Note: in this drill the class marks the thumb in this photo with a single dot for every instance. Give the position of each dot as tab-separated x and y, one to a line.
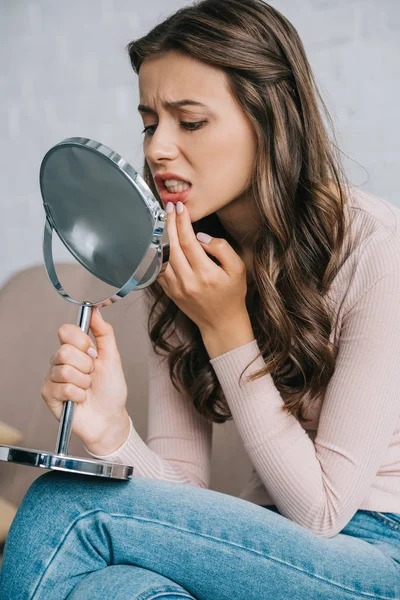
104	335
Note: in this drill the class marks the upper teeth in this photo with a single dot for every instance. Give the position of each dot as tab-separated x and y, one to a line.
176	185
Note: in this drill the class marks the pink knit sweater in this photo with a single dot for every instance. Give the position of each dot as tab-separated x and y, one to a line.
348	457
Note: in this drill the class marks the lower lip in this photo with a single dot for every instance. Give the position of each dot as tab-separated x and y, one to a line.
167	196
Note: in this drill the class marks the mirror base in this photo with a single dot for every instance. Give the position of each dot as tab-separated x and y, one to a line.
63	462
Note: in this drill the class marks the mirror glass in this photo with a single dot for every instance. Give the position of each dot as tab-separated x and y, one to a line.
79	283
97	211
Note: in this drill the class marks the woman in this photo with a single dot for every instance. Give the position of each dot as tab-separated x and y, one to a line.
286	320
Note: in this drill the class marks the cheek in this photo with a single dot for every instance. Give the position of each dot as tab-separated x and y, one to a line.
233	156
232	167
223	163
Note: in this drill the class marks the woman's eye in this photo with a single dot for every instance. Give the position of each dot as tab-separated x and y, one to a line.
188	125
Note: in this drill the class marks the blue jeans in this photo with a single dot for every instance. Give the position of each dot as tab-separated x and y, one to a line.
87	538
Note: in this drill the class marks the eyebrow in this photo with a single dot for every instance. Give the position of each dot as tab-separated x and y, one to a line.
177	104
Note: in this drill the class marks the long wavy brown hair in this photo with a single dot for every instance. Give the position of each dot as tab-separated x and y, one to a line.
298	186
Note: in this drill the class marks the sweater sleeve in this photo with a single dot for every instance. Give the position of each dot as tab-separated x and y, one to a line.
321	484
179	439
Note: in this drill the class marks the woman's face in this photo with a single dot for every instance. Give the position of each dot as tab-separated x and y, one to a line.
217	156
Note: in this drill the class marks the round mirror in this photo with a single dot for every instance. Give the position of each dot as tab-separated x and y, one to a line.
105	215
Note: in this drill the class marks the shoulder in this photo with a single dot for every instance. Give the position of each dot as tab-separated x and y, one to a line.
374	234
371	214
375	231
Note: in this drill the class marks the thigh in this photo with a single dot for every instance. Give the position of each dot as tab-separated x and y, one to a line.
127	582
212	544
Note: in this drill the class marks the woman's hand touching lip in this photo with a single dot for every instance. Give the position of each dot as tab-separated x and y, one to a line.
211	296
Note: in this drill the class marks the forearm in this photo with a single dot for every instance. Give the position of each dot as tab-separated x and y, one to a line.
226	337
150	463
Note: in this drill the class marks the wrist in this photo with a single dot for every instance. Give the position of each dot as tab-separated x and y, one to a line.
113	437
226	337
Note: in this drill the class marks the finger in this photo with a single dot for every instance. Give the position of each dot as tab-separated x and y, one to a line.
168	277
69	374
72	334
66	391
190	245
177	259
104	335
69	355
169	283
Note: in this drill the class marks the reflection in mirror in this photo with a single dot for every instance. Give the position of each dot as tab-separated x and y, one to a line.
84	286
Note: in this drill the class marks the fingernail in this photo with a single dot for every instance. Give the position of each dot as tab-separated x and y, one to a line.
99	313
92	352
179	207
170	207
203	237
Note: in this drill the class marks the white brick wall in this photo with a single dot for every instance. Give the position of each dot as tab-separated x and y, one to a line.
64	72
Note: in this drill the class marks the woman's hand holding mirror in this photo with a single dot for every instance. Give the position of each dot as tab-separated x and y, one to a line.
96	385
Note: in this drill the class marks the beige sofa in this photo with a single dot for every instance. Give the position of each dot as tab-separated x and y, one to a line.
31	311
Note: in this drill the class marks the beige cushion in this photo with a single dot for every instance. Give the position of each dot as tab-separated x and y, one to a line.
9	435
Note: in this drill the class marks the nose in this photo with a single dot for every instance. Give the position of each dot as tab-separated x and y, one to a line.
161	145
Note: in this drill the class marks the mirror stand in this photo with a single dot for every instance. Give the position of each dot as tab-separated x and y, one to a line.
109	220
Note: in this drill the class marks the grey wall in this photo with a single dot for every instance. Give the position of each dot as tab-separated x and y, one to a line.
64	72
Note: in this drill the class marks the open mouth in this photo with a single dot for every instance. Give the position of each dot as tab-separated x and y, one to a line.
177	188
